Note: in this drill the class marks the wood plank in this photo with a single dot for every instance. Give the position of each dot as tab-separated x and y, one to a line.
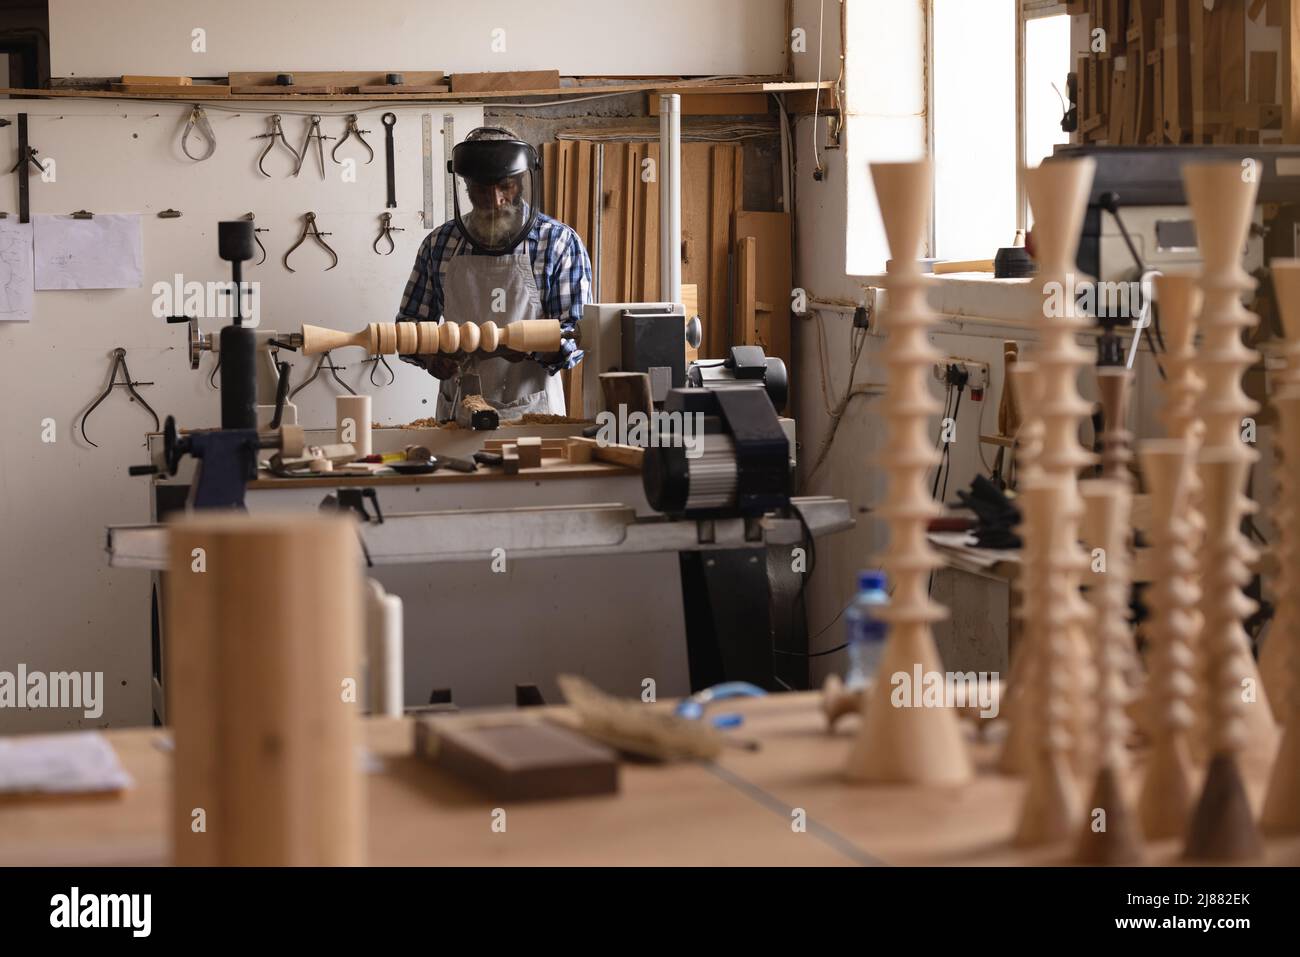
747	292
1176	57
136	79
582	221
650	192
450	97
1263	76
771	231
171	89
504	81
550	156
387	89
332	77
691	309
1291	74
717	333
716	104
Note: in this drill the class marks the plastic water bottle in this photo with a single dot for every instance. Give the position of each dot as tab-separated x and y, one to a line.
866	632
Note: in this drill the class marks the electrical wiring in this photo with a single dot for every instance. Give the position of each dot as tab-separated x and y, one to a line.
817	97
836	410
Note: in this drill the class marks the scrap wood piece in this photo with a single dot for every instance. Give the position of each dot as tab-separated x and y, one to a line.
529	450
635	727
511	81
519	760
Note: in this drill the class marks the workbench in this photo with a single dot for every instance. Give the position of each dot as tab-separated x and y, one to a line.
548	571
735	811
465	622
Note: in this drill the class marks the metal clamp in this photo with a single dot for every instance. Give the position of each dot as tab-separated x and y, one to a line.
375	362
198	120
252	218
313	133
326	361
272	136
351	130
386	230
309	229
119	362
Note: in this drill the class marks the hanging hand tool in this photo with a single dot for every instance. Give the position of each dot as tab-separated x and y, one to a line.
309	229
313	133
390	120
258	229
386	230
375	362
352	130
26	159
275	134
198	120
119	362
326	361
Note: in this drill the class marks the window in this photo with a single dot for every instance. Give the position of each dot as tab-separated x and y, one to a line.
973	104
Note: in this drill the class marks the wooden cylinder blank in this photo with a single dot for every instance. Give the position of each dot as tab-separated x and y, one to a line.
264	628
353	421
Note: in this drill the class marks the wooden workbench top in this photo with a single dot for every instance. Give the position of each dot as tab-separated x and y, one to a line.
552	469
735	812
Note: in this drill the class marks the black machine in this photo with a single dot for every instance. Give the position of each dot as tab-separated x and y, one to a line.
718	450
228	455
1145	183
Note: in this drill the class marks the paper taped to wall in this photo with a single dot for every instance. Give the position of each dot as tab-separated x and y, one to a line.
15	271
104	252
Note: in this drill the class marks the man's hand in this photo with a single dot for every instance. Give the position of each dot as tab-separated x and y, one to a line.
440	367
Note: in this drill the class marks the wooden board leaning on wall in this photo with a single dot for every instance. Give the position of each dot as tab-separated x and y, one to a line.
626	199
1174	72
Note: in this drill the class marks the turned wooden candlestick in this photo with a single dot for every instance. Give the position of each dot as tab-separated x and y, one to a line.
1222	201
1274	657
908	745
1022	380
1058	193
1051	808
1222	827
1280	659
1169	788
1110	833
429	338
1113	386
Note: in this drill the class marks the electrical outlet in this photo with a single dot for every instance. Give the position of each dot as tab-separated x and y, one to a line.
978	372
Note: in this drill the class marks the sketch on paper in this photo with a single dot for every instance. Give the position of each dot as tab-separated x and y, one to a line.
105	252
15	271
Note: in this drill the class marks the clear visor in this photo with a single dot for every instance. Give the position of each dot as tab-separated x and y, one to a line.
495	216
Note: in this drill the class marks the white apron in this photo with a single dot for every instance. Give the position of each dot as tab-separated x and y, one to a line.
470	287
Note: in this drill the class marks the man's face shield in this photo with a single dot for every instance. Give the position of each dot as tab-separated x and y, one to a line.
495	185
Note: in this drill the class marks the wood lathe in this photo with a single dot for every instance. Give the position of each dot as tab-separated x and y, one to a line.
431	338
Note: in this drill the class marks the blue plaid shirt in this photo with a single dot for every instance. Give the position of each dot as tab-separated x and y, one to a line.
561	269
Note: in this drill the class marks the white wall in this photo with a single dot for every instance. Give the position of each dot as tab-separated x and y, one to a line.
63	608
577	37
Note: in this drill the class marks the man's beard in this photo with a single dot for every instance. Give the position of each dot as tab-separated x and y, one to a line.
495	227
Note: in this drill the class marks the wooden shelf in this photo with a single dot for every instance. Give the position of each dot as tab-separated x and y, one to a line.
194	94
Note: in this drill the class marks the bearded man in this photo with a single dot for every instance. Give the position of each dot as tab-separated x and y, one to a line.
499	260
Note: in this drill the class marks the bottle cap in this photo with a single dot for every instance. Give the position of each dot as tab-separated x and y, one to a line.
871	581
